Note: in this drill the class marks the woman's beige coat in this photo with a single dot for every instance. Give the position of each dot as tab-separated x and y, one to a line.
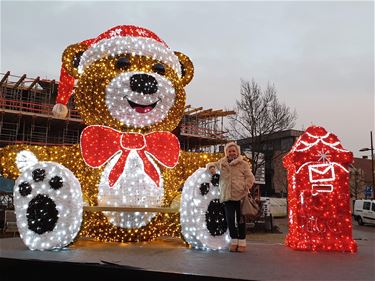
236	178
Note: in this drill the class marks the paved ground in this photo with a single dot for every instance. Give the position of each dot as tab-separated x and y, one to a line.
266	259
258	233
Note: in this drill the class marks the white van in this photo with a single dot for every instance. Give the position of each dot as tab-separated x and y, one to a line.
364	211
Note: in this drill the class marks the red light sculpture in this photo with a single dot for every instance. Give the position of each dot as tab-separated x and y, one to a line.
318	193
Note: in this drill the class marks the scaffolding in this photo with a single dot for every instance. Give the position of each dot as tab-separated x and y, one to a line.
26	117
26	113
203	129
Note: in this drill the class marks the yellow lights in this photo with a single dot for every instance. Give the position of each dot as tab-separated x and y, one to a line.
130	84
68	156
96	225
103	96
187	68
70	58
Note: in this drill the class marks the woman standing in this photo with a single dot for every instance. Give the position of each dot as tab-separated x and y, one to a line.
236	180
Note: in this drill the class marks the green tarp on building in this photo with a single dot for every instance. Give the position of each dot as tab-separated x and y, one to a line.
6	185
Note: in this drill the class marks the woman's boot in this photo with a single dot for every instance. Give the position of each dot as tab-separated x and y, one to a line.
241	245
233	245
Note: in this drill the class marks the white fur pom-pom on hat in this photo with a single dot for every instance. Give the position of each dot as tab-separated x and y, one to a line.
65	89
60	110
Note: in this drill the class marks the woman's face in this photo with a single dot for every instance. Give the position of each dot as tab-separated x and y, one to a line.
232	152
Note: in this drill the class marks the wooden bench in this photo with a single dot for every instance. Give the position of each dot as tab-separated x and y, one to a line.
130	209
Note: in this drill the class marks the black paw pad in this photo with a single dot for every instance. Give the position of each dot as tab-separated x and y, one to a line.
25	188
204	188
56	182
215	180
39	175
215	218
41	214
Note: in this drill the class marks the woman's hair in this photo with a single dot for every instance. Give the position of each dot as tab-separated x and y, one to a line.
229	144
210	165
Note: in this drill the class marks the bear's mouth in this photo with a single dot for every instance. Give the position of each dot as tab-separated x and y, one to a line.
141	108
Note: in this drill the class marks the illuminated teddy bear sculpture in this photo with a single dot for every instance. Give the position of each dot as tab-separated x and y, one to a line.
130	94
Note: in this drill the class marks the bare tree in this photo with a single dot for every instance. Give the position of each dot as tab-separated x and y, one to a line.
357	182
280	178
259	113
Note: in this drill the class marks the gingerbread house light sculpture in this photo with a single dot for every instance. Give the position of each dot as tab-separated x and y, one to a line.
318	193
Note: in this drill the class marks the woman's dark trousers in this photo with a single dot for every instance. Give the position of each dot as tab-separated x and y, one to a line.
237	230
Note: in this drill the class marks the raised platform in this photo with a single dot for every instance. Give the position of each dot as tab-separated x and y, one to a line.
169	259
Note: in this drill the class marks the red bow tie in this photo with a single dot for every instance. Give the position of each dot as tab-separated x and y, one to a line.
100	143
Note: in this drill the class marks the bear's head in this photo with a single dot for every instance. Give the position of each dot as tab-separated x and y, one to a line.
128	79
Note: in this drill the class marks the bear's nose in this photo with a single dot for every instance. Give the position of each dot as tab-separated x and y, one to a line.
143	83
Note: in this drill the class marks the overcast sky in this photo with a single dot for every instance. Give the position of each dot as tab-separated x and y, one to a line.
319	55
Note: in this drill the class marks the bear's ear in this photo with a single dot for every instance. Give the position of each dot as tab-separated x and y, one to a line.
25	159
187	68
71	58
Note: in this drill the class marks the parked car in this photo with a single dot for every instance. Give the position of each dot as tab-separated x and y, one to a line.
278	207
364	211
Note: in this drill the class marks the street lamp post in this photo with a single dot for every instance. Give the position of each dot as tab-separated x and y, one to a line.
372	164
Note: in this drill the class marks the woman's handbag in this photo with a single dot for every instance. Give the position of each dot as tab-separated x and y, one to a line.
249	207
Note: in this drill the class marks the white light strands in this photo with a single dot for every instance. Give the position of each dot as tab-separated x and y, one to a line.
133	189
132	45
136	109
130	94
48	205
202	217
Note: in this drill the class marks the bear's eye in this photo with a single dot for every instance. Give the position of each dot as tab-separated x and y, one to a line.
77	59
123	62
183	71
158	68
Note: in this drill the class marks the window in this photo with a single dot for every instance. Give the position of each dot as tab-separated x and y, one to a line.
373	207
366	205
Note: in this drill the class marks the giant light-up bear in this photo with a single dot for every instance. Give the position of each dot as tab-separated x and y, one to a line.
130	94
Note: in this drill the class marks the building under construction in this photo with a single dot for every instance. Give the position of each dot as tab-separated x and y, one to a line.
26	113
203	129
26	117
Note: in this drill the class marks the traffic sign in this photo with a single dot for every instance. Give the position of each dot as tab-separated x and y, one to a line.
368	191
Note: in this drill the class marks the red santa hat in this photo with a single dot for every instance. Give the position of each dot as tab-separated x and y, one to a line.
115	41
